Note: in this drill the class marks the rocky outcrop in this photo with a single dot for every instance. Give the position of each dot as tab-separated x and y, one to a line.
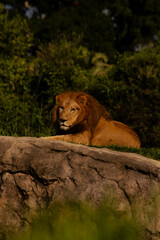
36	172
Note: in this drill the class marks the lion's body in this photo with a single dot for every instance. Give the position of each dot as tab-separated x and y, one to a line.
83	120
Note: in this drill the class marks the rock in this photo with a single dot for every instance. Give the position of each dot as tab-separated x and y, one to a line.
36	172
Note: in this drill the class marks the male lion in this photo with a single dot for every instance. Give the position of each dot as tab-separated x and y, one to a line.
82	119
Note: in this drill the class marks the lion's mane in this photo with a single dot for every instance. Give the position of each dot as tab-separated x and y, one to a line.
92	110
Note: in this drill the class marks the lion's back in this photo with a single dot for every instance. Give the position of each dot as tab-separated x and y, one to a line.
109	132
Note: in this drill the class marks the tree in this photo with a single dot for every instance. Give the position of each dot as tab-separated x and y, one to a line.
15	100
107	26
136	22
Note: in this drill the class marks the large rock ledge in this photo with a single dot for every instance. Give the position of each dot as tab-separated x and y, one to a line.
36	172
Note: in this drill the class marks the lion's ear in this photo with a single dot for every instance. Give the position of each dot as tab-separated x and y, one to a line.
58	98
82	100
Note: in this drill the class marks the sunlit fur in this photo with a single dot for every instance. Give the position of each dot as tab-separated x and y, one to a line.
82	119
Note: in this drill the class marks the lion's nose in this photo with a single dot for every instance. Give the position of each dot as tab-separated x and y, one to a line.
63	120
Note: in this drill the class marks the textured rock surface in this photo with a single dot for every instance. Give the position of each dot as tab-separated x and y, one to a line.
35	172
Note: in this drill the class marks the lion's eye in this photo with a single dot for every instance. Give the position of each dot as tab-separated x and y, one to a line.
72	110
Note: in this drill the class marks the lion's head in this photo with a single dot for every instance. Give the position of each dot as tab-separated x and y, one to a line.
77	108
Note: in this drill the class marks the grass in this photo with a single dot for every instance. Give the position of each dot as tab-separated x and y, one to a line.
147	152
77	221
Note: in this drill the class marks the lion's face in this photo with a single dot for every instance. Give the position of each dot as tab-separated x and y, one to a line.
78	110
68	113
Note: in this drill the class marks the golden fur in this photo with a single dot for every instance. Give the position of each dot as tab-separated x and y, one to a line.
82	119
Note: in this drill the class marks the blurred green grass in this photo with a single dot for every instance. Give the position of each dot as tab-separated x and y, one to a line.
77	221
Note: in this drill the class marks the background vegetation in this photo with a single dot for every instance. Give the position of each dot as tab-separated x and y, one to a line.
72	220
80	45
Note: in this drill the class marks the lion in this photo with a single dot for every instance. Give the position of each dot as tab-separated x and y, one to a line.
80	118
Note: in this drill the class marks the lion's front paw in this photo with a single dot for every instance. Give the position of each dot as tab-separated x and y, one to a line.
54	138
51	137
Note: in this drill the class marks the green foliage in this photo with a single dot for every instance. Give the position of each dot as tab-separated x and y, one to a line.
137	22
100	64
132	93
77	221
60	66
126	25
18	111
15	37
86	18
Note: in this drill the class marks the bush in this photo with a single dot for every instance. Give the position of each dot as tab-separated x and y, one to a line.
15	36
19	114
61	65
132	93
73	220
